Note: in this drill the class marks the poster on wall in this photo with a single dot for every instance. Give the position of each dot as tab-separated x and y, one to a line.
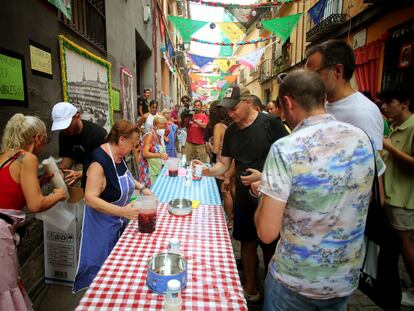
406	52
40	60
127	98
12	79
86	80
116	104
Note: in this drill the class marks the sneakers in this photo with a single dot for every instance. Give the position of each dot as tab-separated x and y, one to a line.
407	299
251	298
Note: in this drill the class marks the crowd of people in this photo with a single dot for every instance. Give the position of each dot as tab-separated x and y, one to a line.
295	176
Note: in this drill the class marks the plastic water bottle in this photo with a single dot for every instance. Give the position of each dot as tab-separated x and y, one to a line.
173	300
174	246
183	160
189	177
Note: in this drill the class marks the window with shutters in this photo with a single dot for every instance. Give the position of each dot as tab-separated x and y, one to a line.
88	20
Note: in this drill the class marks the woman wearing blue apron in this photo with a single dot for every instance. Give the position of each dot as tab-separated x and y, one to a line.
109	187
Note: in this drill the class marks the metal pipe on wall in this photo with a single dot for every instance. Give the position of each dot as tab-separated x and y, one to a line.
155	45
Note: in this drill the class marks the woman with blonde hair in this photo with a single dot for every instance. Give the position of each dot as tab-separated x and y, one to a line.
109	187
170	134
153	151
24	137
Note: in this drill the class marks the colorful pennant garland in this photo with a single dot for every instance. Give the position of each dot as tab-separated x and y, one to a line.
243	6
236	43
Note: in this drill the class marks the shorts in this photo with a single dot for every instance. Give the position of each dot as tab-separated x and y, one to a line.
400	218
194	151
244	207
280	298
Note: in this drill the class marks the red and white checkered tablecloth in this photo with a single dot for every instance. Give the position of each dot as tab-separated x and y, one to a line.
213	281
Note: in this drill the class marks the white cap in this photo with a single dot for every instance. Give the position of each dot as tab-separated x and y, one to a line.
62	114
174	284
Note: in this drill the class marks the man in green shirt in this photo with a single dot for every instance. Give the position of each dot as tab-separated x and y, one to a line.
399	176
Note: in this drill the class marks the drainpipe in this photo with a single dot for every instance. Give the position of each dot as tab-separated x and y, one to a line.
154	38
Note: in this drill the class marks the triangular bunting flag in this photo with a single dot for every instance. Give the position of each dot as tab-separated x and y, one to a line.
225	50
200	61
250	60
282	26
213	79
224	64
185	26
232	31
231	79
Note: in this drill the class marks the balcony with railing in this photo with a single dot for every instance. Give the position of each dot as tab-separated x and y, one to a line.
281	57
324	16
265	70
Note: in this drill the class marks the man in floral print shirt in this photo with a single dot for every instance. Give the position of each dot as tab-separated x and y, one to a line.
316	188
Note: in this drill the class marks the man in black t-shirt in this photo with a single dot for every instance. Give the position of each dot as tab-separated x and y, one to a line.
143	102
247	140
77	139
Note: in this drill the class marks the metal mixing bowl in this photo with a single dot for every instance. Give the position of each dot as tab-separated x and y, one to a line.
164	267
180	207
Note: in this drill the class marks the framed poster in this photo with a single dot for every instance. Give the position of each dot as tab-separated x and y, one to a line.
13	90
86	80
406	55
40	60
127	98
116	100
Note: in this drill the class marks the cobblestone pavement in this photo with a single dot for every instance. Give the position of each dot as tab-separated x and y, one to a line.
358	301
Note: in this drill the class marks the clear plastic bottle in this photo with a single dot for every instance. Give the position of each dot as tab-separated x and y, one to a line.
189	177
174	246
183	160
173	300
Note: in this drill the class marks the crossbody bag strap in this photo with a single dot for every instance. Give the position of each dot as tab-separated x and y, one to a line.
375	189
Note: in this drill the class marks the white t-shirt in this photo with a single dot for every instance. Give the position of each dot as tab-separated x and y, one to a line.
358	110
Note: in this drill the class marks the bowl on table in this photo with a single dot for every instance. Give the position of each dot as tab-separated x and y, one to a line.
164	267
180	207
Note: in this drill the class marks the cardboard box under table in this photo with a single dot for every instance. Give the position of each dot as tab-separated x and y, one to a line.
62	242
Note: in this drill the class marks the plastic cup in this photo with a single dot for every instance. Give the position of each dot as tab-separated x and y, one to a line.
147	217
173	164
198	171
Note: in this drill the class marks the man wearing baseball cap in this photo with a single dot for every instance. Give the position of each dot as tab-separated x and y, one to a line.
77	138
247	141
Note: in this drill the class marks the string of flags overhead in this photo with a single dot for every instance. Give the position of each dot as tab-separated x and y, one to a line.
209	76
281	27
243	6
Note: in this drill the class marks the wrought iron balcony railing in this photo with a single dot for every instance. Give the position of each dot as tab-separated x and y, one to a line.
330	17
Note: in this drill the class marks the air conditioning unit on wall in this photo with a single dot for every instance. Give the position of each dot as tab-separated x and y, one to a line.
146	13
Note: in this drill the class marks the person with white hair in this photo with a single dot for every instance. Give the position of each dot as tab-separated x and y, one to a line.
23	138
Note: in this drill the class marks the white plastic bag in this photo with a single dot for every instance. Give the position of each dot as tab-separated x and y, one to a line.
60	216
57	180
